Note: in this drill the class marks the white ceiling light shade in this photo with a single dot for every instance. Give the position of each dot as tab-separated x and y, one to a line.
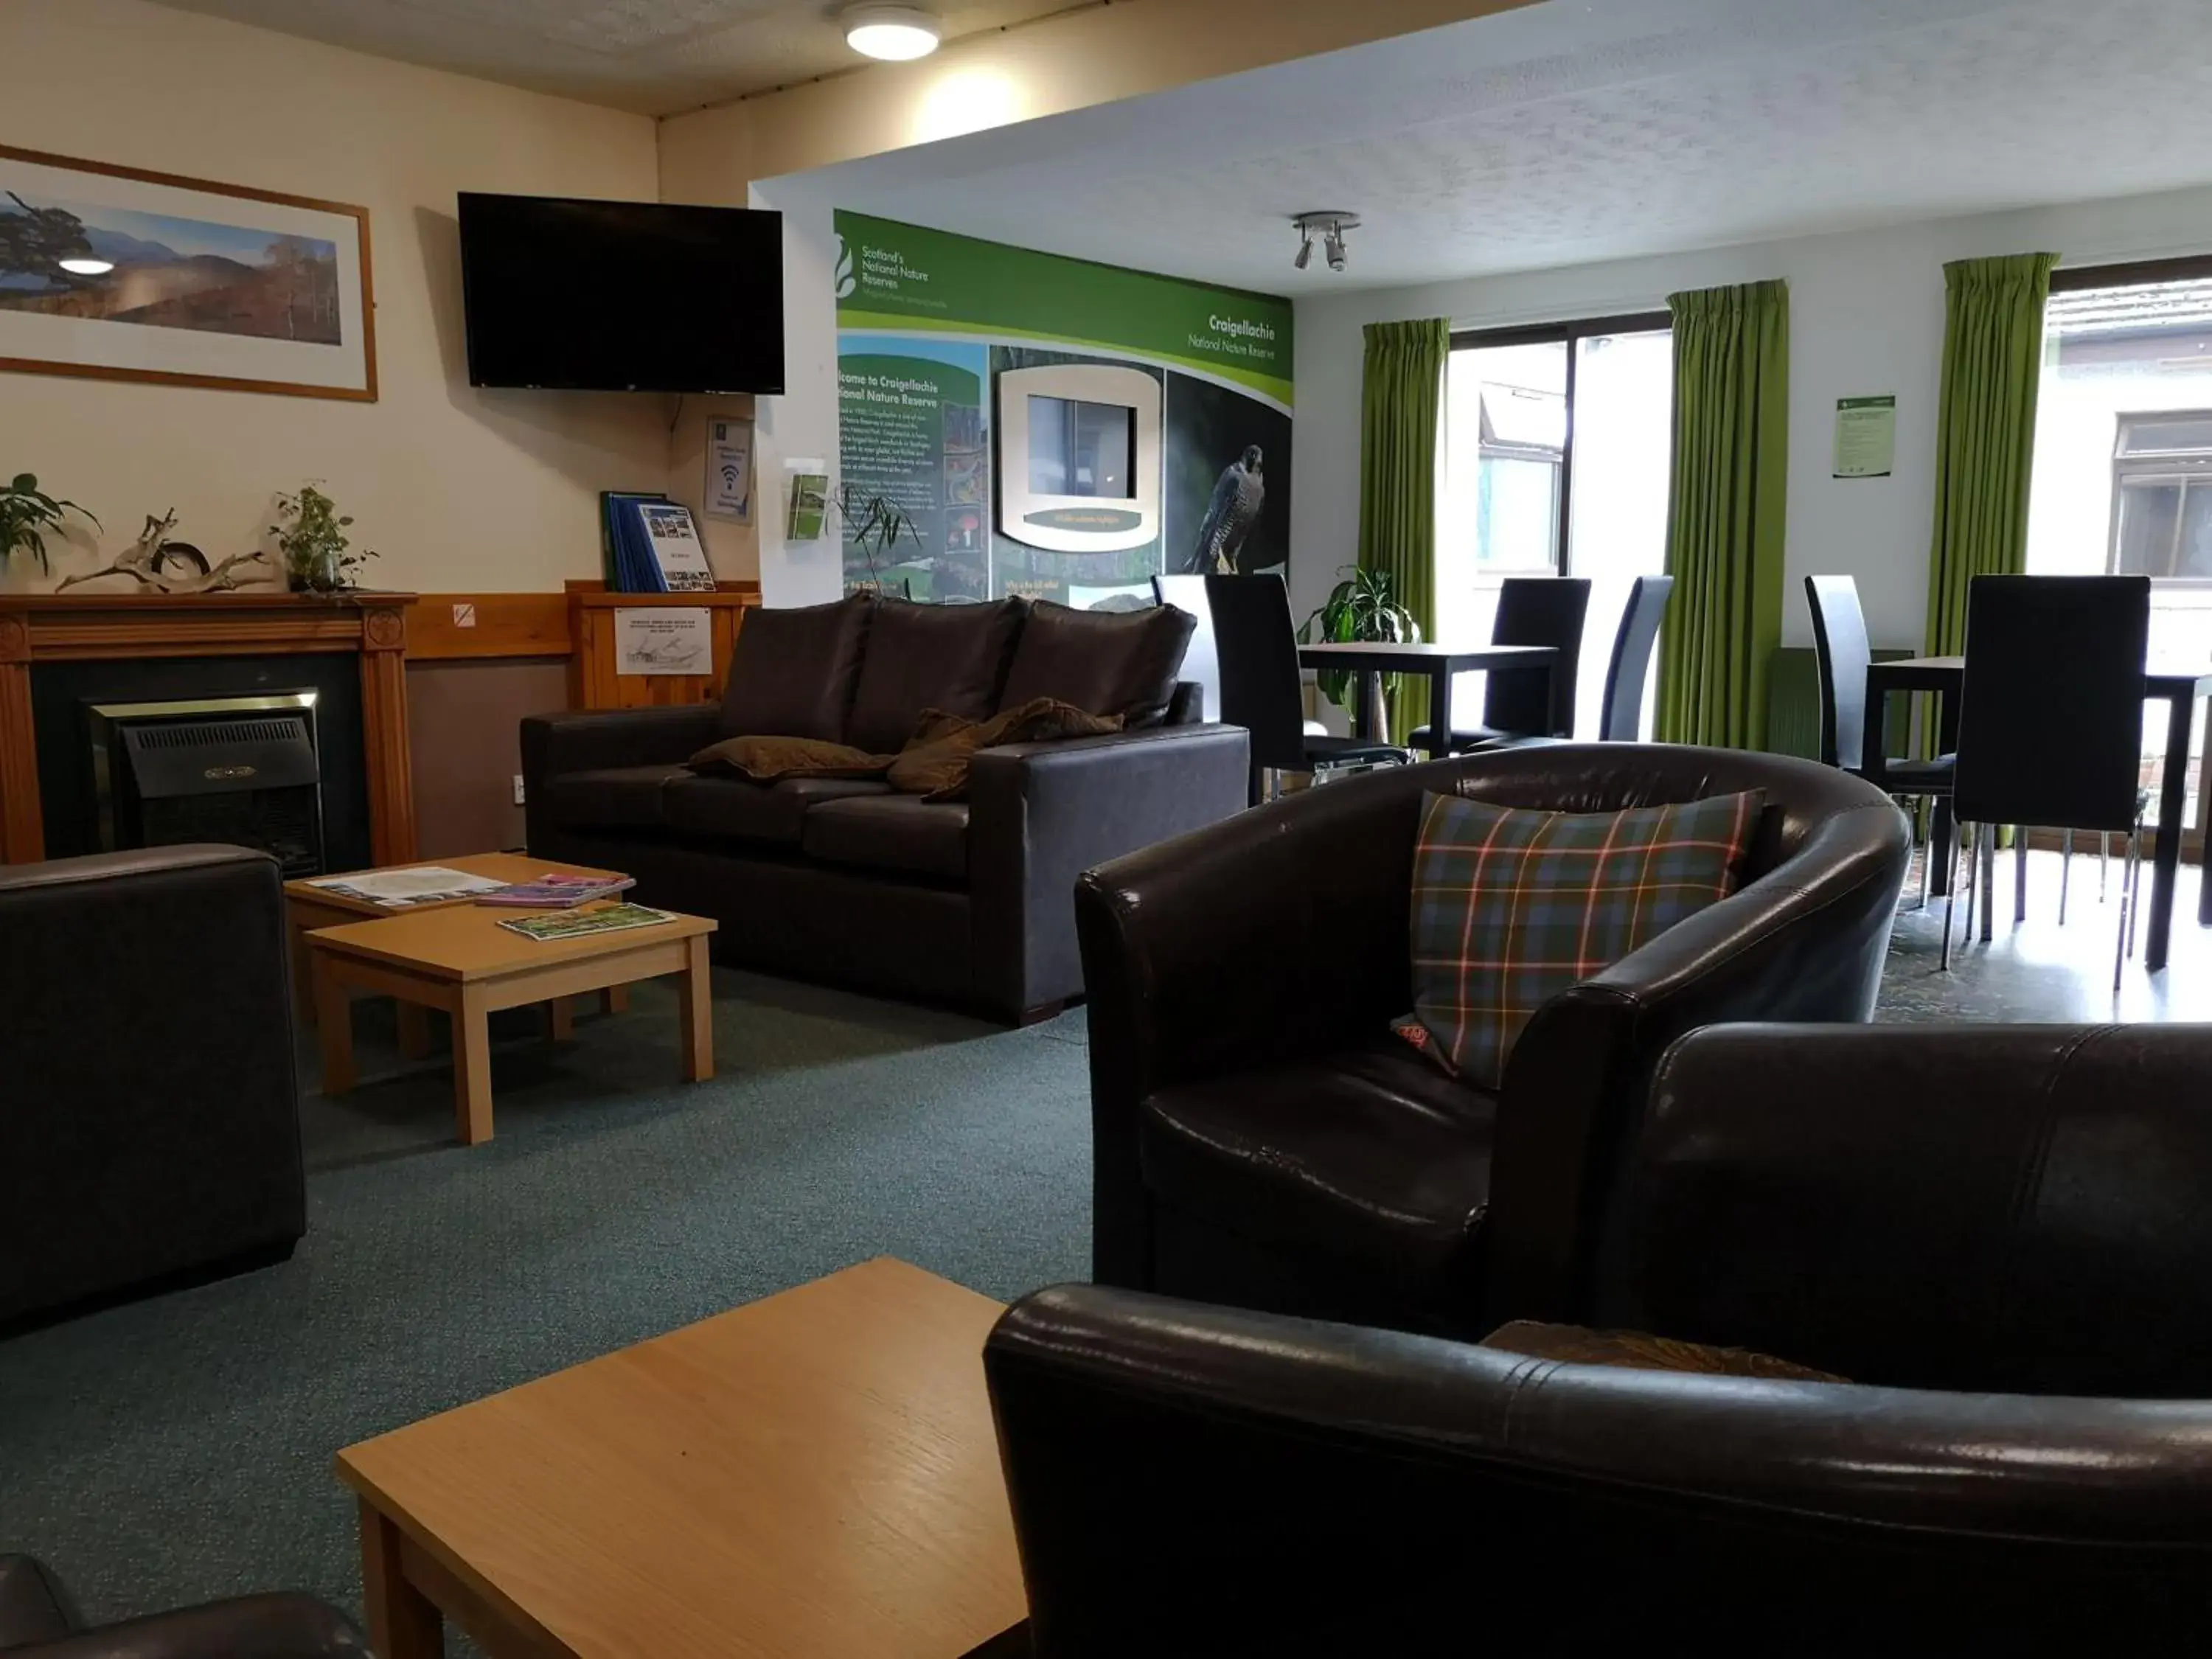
896	33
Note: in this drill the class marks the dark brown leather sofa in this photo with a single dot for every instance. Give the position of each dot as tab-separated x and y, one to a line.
38	1619
150	1129
1997	1232
843	880
1259	1139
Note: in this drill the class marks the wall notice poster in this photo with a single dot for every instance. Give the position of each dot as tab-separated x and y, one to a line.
1866	437
1151	417
677	639
730	470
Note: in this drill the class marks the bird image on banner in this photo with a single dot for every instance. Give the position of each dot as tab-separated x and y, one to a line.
1229	516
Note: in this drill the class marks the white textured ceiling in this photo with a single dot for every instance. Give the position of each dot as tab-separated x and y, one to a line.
655	56
1584	130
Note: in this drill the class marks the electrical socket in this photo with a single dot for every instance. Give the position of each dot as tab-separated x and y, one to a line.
518	789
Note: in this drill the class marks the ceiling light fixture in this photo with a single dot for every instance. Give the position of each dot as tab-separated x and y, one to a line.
1329	224
896	33
87	267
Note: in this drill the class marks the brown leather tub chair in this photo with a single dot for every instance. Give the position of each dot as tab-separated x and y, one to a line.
2000	1232
1260	1139
149	1106
38	1620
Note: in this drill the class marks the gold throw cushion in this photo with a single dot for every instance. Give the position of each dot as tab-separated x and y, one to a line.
935	762
1577	1344
768	759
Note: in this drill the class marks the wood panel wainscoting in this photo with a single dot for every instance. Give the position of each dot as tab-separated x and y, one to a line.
41	627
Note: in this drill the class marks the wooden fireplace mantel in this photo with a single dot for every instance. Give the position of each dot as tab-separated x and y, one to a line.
36	628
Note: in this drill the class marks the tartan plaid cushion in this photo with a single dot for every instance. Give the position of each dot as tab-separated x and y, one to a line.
1511	907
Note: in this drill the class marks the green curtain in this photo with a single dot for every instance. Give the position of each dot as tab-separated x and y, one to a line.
1984	431
1725	512
1400	404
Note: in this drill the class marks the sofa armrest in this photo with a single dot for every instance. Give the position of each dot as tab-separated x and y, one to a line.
1040	814
1804	942
275	1626
1192	1479
591	740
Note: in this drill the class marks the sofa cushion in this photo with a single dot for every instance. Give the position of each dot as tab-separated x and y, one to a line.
947	657
770	759
773	814
899	833
1104	662
1369	1157
935	765
1512	907
792	672
611	798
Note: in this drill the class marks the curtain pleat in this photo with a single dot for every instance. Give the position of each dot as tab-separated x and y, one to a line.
1726	508
1984	431
1401	402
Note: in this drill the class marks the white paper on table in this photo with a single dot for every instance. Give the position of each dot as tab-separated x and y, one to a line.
409	886
674	640
730	470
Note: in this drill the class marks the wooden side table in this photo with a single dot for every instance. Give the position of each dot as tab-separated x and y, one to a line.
459	958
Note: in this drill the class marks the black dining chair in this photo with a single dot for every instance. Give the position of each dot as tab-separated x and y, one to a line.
1842	656
1528	703
1201	662
2050	722
1621	719
1262	687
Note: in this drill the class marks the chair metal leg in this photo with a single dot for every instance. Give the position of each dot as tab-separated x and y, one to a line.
2019	874
1927	855
1971	836
2065	871
2104	861
1951	895
2134	887
1988	836
2120	946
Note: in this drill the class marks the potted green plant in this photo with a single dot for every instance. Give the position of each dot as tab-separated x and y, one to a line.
319	556
1363	609
26	513
875	525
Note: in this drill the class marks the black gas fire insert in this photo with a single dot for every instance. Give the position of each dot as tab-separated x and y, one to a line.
238	769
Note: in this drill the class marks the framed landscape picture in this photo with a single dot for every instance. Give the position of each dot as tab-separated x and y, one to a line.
116	274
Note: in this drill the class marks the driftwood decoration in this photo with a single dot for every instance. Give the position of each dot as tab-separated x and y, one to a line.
166	567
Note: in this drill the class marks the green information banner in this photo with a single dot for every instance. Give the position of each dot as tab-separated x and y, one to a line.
904	278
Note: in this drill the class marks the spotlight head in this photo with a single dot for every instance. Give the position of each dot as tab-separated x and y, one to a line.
1305	252
1334	246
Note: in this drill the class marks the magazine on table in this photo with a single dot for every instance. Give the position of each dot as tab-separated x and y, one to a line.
551	891
575	924
395	890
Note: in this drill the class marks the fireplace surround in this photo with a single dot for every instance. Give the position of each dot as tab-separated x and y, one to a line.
60	654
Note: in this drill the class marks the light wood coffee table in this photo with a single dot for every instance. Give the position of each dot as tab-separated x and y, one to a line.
814	1474
307	907
458	957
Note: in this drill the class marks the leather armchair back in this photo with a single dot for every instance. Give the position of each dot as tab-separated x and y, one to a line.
1999	1207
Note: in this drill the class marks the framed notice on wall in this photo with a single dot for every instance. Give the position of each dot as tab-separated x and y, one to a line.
1866	437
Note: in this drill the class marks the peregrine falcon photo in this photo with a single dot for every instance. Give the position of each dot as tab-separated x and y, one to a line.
1229	516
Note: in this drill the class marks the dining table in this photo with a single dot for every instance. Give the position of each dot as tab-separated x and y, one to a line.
1365	658
2177	686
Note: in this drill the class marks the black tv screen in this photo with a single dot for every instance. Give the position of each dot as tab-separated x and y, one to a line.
621	296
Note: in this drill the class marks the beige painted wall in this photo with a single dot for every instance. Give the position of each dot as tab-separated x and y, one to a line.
458	489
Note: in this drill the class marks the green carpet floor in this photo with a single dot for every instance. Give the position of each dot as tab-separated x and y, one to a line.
179	1449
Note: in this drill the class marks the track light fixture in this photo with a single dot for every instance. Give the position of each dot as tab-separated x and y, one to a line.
1329	224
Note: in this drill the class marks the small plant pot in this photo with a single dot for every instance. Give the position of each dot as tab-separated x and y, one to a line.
317	574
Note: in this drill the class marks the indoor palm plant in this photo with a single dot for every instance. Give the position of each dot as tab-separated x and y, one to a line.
26	513
1362	608
875	525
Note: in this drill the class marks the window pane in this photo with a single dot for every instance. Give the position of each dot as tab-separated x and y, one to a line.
2142	541
2185	436
1516	513
1081	449
2194	558
1624	411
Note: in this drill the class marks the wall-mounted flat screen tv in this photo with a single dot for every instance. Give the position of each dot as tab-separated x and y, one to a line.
621	296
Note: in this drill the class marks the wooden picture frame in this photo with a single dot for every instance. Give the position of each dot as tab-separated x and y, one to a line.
181	282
